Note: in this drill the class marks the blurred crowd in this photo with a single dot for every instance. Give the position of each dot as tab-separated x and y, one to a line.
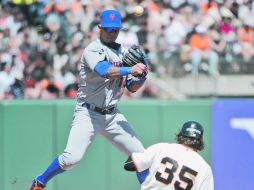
41	41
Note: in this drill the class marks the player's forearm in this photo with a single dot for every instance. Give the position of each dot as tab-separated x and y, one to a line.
107	70
115	72
130	166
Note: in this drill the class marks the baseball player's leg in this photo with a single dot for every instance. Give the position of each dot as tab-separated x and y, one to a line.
120	133
80	137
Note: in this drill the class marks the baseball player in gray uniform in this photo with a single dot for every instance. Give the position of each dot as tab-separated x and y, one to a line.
103	79
175	166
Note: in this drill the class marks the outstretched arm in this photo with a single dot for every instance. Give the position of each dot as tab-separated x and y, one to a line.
130	166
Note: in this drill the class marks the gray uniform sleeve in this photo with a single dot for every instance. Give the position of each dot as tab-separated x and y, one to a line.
93	54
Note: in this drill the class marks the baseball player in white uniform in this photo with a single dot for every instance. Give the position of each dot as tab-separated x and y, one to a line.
103	79
174	166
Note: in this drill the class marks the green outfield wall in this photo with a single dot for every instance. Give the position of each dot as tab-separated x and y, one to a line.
33	133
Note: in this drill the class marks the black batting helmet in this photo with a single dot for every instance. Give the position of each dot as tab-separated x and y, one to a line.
192	129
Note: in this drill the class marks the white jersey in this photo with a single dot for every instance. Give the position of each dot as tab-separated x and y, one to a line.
173	167
94	89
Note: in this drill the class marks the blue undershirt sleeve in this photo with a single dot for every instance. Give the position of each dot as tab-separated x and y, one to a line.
142	175
129	82
102	68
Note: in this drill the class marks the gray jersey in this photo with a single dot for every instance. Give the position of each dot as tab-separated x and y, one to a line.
102	93
94	89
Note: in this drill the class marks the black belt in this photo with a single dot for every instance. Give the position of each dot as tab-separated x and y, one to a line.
102	111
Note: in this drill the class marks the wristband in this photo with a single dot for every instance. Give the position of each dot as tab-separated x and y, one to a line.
125	71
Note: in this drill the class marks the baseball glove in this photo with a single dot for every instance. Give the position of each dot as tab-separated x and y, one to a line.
133	56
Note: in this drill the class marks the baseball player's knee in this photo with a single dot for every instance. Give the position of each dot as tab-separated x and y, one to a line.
135	147
138	149
68	161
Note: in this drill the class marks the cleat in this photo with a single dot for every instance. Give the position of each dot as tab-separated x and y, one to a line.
36	185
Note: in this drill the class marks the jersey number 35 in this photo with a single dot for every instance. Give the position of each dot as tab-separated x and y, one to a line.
171	172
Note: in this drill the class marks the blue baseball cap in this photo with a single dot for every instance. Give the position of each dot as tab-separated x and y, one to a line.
110	19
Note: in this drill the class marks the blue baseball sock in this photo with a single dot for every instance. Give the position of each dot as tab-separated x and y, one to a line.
142	175
53	169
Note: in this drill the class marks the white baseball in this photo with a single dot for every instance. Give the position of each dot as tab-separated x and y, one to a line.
138	10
